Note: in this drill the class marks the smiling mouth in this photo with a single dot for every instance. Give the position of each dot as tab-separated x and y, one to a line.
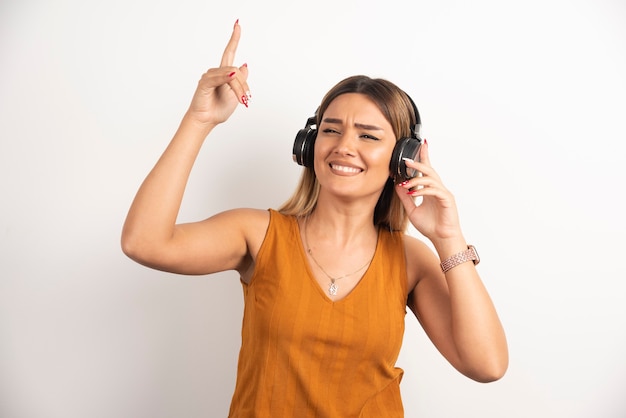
346	170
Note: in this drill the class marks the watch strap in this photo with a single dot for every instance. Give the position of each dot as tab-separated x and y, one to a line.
459	258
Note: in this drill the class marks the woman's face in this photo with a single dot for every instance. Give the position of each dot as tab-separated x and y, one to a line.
353	147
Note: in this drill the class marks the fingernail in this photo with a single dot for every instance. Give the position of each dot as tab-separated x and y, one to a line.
244	100
425	141
248	95
404	183
236	23
408	159
245	64
231	74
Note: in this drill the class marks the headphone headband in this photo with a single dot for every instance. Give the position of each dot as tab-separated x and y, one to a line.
418	120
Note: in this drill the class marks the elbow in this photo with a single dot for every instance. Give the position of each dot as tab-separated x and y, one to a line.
489	376
145	250
487	361
129	245
490	370
132	246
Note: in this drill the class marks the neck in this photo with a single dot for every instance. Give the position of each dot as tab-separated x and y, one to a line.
345	209
343	227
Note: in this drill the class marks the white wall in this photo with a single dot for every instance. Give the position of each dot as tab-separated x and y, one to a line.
523	105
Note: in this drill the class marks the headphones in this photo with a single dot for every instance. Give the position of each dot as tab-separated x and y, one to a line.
304	144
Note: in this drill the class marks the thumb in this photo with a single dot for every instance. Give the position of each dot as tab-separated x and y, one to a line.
244	71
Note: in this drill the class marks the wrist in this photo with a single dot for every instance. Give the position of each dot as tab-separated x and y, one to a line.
446	247
190	121
467	255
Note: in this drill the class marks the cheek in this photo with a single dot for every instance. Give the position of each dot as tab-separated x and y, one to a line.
320	147
319	153
382	157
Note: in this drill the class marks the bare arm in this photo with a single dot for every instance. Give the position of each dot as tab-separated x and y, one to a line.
454	308
458	315
150	234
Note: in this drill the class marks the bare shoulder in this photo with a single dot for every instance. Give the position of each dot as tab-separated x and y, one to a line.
252	223
228	240
420	260
255	223
244	216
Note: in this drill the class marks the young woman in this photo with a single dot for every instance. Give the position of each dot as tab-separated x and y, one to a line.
328	276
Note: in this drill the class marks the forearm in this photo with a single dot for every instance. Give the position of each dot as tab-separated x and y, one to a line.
476	329
152	216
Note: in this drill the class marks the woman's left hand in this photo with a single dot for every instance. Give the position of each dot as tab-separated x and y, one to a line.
436	217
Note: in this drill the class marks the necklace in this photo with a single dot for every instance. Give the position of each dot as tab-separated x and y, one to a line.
333	287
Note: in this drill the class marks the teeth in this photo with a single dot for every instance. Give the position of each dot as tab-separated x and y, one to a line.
345	169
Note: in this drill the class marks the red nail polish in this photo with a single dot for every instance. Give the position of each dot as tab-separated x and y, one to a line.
236	23
425	141
245	65
231	74
244	100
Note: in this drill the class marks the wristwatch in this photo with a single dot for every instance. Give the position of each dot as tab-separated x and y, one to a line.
468	255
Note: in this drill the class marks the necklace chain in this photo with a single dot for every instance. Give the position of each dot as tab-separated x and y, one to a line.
332	287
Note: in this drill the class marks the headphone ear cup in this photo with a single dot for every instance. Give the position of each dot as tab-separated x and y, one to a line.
405	148
303	146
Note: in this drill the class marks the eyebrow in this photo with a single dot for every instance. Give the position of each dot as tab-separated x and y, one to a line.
358	125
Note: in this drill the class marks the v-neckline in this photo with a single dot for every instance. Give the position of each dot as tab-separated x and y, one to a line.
314	281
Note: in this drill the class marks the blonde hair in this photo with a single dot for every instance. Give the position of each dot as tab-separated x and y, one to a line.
397	108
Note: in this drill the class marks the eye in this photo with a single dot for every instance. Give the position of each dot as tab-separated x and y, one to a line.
368	136
330	131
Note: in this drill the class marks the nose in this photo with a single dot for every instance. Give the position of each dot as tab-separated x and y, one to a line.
346	145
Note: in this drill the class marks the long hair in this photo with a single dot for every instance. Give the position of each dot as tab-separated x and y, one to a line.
397	108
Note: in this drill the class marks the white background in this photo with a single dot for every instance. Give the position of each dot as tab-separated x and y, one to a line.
523	104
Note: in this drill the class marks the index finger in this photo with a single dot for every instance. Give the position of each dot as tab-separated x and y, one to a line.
229	52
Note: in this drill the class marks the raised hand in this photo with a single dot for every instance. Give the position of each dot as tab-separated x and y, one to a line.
221	89
436	216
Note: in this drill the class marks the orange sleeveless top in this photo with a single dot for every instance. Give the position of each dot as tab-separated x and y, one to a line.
303	355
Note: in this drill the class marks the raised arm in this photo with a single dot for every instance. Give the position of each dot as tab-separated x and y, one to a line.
454	308
150	234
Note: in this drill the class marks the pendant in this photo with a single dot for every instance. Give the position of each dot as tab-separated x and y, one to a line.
332	288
